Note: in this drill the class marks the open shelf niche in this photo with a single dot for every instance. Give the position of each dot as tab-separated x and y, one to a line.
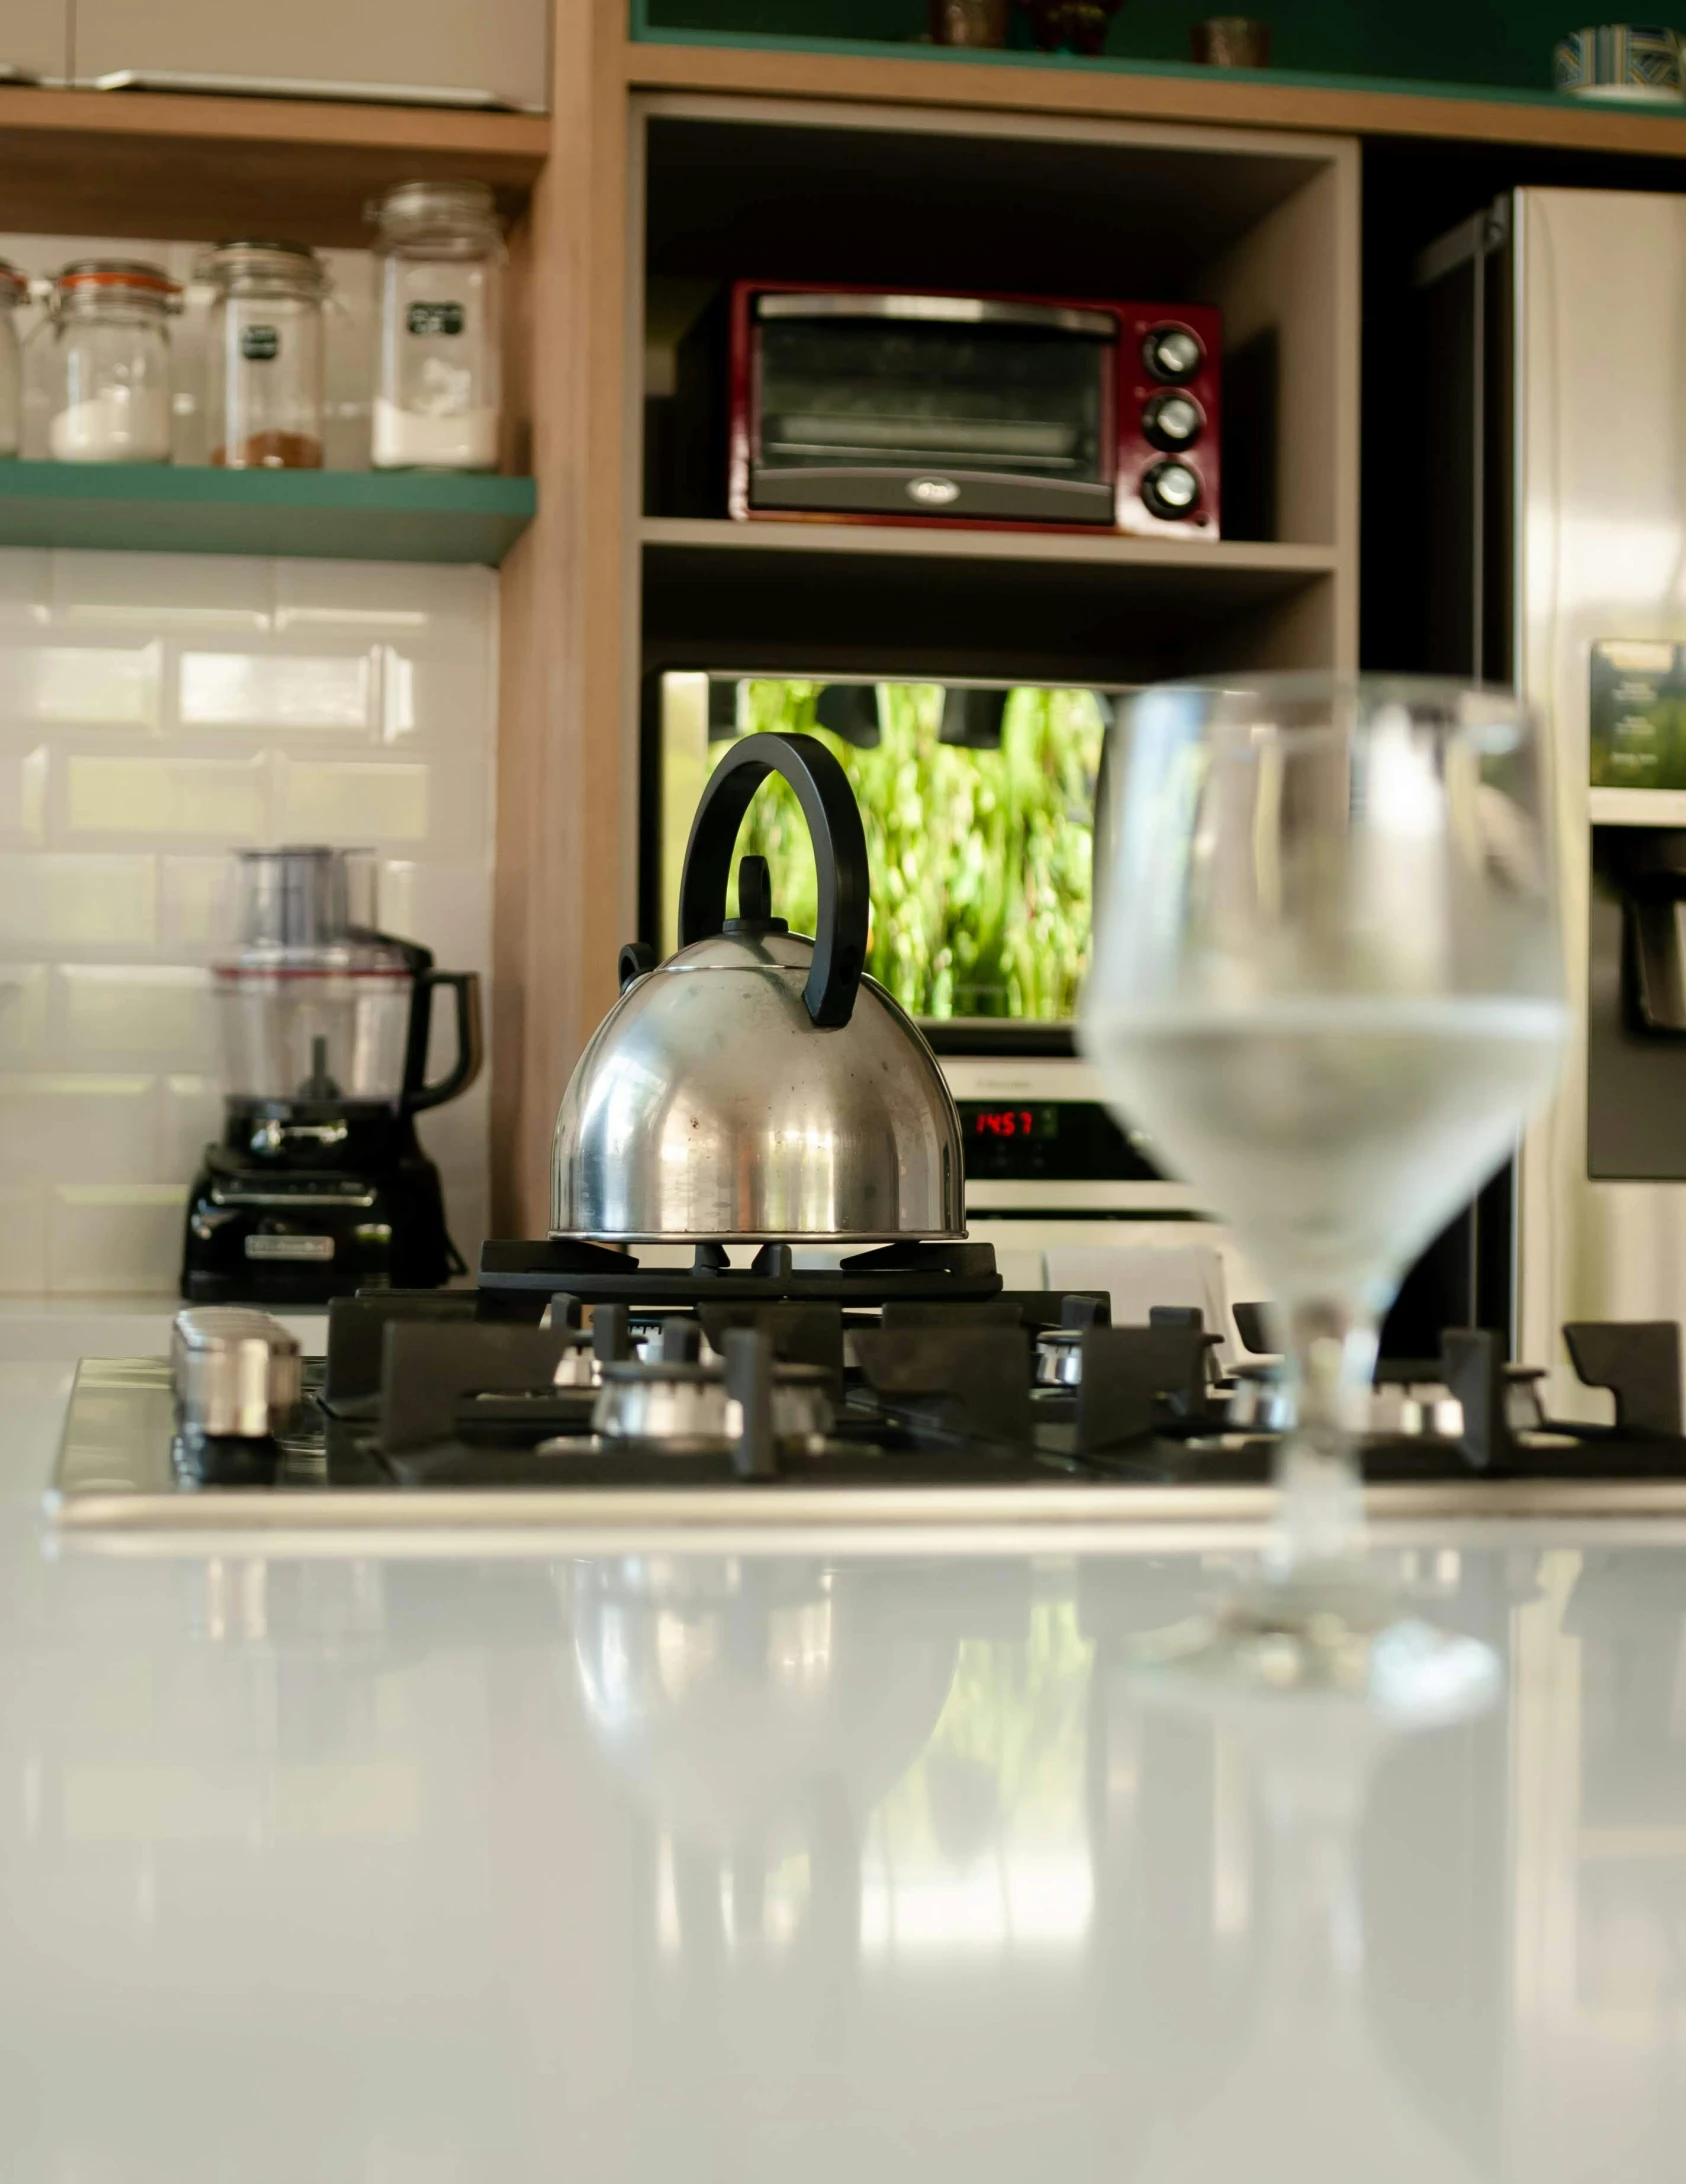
1263	227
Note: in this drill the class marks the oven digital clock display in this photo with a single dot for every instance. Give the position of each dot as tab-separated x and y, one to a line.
1047	1141
1015	1122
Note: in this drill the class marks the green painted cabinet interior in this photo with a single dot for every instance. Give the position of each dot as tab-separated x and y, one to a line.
1491	44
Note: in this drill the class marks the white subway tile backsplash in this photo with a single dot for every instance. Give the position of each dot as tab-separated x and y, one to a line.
385	599
23	791
277	690
160	592
432	695
194	903
100	1128
25	989
25	586
113	1239
159	1016
447	907
342	801
158	797
75	903
191	1116
23	1240
156	713
113	686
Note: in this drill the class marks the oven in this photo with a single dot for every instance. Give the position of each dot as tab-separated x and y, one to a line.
876	406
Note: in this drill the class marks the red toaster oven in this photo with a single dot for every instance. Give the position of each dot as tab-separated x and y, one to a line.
872	405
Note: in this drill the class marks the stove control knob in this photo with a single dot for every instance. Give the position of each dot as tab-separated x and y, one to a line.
237	1374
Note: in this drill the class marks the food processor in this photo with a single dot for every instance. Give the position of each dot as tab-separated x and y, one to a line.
320	1186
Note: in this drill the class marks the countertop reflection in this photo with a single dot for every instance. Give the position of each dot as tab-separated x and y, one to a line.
714	1866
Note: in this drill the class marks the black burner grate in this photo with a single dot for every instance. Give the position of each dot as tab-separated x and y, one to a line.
517	1279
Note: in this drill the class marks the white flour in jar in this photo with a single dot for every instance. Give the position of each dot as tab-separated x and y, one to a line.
406	439
118	424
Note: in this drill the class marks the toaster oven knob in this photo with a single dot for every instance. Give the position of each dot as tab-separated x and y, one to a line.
1172	355
1172	421
1170	490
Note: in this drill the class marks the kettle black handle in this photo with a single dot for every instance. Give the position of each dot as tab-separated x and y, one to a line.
834	820
470	1044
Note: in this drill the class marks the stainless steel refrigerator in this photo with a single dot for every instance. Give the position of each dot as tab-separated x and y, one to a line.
1556	387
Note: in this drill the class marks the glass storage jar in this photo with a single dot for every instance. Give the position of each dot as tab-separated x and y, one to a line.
264	355
440	257
110	371
14	290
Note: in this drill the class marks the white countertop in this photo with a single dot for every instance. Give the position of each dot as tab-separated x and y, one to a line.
365	1870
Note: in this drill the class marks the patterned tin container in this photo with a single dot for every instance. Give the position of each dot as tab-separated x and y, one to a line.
1637	61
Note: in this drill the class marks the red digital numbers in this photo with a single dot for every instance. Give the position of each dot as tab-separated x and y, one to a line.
1005	1122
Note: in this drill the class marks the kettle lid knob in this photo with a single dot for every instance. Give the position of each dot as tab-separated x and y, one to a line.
755	901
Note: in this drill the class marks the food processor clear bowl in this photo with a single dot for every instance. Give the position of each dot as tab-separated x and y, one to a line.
315	1004
314	1037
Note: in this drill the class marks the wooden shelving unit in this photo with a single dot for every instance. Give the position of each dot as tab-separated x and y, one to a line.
794	596
1144	91
1222	562
612	582
192	168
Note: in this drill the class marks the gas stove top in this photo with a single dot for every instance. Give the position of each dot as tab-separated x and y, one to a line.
907	1386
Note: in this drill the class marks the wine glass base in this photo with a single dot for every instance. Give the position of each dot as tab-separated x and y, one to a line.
1331	1635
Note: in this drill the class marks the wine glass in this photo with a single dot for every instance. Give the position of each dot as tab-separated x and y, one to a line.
1328	984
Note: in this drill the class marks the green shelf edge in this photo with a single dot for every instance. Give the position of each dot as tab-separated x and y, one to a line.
326	515
1121	64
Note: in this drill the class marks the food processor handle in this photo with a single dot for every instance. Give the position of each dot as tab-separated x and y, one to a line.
470	1045
834	820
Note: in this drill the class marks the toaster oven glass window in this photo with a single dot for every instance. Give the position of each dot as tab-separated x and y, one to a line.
973	397
979	811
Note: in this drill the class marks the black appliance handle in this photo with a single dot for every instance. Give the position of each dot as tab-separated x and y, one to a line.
834	821
471	1052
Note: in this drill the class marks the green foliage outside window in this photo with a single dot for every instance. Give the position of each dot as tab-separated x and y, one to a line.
980	859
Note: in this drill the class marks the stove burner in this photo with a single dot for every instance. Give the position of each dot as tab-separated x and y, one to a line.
676	1400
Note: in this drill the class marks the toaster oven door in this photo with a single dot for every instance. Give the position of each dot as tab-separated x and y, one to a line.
934	406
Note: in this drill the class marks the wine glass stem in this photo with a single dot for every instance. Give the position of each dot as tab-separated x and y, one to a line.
1320	1506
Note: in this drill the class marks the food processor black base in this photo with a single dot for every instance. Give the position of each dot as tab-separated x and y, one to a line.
297	1210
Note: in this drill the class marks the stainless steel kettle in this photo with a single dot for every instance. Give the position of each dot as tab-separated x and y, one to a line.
757	1085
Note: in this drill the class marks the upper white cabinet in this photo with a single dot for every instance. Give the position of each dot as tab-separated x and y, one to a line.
460	52
34	41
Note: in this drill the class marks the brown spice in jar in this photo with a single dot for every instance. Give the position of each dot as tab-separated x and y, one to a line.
270	451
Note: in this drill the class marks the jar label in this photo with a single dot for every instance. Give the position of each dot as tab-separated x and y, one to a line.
260	344
435	318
